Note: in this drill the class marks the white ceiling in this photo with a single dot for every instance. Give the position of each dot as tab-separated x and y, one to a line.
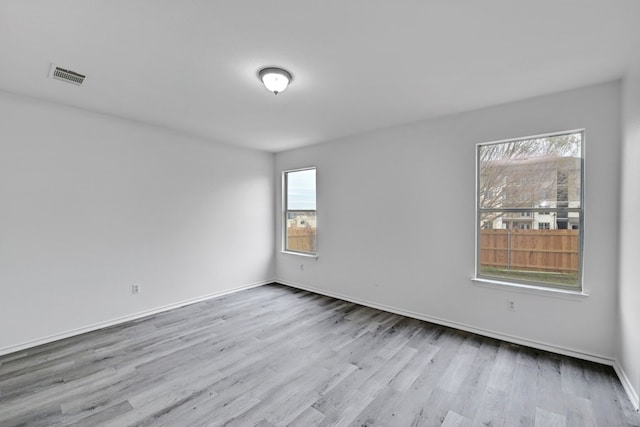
358	65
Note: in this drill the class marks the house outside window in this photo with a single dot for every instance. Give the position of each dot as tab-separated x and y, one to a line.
517	242
300	219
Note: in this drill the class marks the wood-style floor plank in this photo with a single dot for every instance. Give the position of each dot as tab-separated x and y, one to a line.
277	356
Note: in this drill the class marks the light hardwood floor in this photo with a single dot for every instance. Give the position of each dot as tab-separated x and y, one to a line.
276	356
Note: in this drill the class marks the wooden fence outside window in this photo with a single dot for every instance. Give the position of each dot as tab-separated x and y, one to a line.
302	239
531	250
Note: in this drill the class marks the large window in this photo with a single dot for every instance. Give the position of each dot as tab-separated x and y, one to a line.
300	225
517	241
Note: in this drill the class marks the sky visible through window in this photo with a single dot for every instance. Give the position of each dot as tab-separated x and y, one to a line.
301	193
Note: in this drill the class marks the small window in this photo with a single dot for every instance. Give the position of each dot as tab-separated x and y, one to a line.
529	210
300	223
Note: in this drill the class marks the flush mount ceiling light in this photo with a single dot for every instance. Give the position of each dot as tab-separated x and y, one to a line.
275	79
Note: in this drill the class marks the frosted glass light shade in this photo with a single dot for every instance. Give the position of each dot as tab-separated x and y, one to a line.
275	80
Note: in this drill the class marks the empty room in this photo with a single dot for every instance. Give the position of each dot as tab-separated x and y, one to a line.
336	213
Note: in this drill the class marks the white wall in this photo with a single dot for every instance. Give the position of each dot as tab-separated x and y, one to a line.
90	204
396	222
629	299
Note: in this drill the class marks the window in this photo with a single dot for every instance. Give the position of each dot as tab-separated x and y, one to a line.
299	191
515	178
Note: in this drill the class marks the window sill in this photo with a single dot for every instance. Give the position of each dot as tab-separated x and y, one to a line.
302	254
531	289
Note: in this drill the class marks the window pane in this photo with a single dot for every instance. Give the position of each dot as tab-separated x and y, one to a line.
301	231
540	172
529	249
301	190
529	210
300	216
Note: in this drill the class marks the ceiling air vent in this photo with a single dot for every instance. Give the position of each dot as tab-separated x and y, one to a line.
65	75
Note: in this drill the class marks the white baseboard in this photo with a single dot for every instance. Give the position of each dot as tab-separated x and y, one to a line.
468	328
633	395
628	387
135	316
626	384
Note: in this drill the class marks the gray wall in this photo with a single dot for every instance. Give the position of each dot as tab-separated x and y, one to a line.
396	222
629	304
91	204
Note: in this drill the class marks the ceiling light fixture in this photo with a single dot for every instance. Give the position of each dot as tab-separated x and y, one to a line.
275	79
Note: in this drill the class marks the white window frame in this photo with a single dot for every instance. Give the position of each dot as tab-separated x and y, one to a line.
544	286
285	213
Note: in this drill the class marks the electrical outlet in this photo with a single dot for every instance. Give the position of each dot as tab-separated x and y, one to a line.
301	267
511	305
135	288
